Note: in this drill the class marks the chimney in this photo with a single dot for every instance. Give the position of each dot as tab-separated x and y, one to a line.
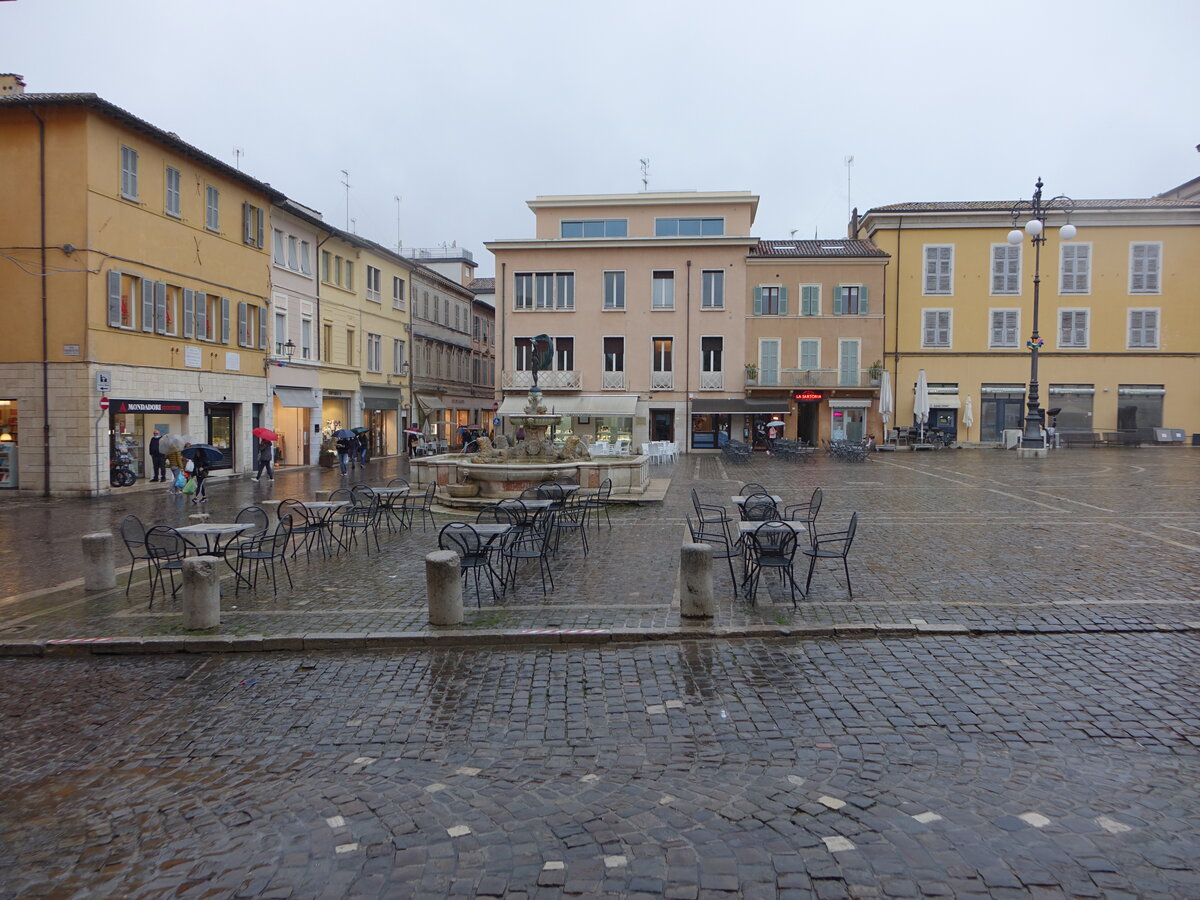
11	84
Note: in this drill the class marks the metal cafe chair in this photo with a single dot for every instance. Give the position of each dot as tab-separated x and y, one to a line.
166	548
832	545
261	553
714	534
771	546
473	555
133	533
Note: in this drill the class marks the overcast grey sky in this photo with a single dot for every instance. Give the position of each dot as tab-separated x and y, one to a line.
466	110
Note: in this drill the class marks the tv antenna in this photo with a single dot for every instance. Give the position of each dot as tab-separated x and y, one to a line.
346	185
849	209
399	243
645	174
238	153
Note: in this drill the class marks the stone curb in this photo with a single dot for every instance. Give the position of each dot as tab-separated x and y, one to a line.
360	641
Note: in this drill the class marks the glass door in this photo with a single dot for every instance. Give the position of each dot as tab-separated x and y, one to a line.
220	434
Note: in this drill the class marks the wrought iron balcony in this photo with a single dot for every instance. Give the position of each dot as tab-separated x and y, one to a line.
549	380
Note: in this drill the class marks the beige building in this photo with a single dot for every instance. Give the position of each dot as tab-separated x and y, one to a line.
644	297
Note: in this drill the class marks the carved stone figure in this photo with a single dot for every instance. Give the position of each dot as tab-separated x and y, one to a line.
575	449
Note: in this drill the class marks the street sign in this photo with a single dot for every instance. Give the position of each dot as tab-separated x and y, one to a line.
495	404
103	382
103	403
496	421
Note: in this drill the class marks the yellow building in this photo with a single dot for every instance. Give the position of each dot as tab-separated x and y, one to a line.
1116	314
137	265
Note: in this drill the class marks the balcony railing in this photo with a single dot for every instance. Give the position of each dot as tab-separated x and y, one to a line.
549	380
816	378
613	381
712	381
436	253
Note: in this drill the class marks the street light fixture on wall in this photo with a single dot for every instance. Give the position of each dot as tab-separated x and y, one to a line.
1032	439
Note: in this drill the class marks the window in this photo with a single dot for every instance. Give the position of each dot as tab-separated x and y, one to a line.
337	270
594	228
1006	269
1005	327
326	341
1144	265
712	289
397	292
939	266
662	349
848	366
1075	269
692	227
166	303
523	290
810	299
768	361
292	262
476	328
564	354
712	354
281	335
1074	402
172	204
349	275
850	300
522	354
1073	328
1140	406
770	300
306	336
129	173
212	208
253	220
614	354
810	354
279	257
663	293
305	266
1143	328
246	324
374	351
614	290
936	331
398	356
326	265
544	290
120	299
374	285
351	346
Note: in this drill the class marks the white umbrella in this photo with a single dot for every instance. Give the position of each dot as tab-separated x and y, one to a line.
921	402
968	418
886	405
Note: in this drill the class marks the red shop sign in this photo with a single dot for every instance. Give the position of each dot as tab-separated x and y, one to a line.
807	395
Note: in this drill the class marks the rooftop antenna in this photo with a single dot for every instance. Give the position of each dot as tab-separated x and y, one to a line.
346	185
849	164
645	174
238	153
793	232
399	243
354	226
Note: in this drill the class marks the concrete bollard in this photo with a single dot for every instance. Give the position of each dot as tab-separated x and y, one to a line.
322	496
444	584
696	582
99	573
201	592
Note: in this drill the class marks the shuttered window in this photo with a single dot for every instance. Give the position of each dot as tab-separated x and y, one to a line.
850	300
936	330
129	173
1073	328
768	362
1006	269
1075	269
810	354
147	305
1144	265
224	320
810	299
1004	327
770	300
161	324
114	299
202	323
939	269
212	208
172	200
1143	328
848	353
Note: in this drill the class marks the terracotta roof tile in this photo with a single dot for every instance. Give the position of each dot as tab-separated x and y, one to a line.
818	249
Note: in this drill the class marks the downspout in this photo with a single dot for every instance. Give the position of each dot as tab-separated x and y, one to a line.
687	369
501	347
896	327
45	305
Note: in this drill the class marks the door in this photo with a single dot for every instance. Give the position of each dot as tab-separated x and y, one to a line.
220	434
807	415
662	425
999	412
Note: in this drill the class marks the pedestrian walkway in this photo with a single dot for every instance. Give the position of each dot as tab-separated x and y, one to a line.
964	541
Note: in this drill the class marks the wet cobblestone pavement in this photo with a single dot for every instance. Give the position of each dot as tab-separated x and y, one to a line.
1006	708
1003	766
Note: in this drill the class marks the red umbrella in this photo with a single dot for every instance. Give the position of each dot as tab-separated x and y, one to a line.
265	433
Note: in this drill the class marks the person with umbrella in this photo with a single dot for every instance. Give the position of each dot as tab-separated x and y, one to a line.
197	467
266	452
171	445
360	444
344	438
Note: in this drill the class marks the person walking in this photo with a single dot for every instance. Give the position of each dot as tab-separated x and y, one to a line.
175	463
197	467
266	453
343	452
157	458
361	444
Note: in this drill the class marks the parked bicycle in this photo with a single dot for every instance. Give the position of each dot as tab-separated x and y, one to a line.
120	473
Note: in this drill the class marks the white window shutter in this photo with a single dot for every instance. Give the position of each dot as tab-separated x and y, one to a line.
147	305
997	328
114	298
160	307
262	328
930	328
201	316
243	323
224	320
944	328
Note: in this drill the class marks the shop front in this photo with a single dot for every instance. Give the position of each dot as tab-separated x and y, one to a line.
715	420
381	414
596	417
335	412
808	416
221	426
848	419
9	441
1001	408
292	420
131	424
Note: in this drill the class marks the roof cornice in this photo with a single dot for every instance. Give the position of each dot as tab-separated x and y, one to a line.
609	243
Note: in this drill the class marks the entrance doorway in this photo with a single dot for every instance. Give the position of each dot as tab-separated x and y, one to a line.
220	433
662	424
807	421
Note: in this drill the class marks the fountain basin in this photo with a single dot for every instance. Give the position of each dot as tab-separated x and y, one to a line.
630	476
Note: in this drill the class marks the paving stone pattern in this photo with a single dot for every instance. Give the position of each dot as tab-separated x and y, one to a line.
953	766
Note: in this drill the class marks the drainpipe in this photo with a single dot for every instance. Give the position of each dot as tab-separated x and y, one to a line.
45	305
896	326
501	347
687	368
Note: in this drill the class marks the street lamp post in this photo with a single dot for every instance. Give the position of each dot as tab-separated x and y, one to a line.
1033	443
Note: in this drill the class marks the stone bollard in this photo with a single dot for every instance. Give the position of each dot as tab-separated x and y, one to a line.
322	496
696	582
444	584
201	592
99	574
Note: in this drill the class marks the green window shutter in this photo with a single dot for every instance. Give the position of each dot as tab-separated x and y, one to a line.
837	301
147	305
262	328
262	215
810	300
160	307
783	297
224	320
243	323
189	311
862	300
114	298
757	300
201	316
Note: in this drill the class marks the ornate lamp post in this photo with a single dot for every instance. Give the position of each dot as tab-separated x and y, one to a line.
1033	444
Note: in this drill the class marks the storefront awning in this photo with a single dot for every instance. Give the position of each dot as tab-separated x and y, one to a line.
297	396
856	404
944	401
381	402
740	406
428	402
622	405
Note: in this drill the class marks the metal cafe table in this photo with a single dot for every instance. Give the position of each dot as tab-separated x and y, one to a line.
212	532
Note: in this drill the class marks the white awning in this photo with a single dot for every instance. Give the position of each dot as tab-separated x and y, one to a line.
851	404
428	401
944	401
297	396
623	405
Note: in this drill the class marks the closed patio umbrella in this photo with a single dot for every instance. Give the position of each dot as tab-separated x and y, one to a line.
968	418
921	402
886	405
